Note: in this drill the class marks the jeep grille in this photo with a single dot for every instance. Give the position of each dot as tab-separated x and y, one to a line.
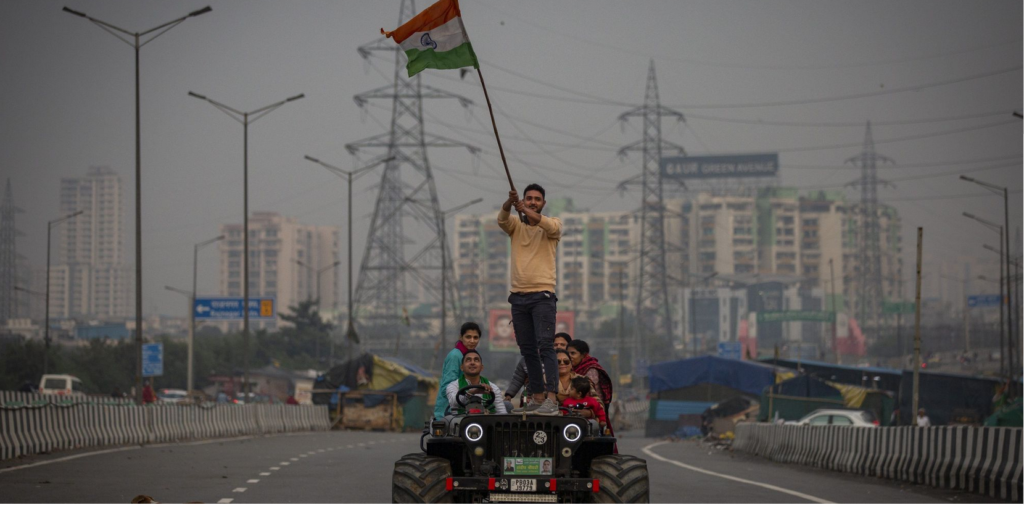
515	439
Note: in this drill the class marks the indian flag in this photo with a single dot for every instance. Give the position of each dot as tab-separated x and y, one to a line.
435	38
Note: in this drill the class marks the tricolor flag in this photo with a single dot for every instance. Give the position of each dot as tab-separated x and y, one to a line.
435	38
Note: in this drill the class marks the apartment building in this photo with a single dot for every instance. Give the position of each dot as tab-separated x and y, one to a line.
89	276
285	257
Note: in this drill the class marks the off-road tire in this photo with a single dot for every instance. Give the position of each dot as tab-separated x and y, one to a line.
419	478
623	479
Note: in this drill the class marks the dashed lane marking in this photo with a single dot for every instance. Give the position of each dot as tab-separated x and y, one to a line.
275	468
264	474
301	456
294	459
239	490
225	500
647	450
252	481
285	463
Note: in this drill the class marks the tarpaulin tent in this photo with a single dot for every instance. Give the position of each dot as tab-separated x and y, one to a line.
688	387
415	388
794	398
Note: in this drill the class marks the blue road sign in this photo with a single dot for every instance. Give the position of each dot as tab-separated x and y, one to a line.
230	308
984	300
732	350
152	360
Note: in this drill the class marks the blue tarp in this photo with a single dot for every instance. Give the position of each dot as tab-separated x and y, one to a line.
747	376
409	366
404	389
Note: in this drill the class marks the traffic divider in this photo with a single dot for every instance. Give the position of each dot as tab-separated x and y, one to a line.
33	424
978	459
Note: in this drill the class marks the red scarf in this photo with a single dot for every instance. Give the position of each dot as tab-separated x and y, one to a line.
461	347
605	382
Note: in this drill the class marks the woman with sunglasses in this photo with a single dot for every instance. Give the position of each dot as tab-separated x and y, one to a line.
565	375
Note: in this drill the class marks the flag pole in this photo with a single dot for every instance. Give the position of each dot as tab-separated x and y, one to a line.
495	126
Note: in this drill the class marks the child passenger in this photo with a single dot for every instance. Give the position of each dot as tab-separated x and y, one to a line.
451	370
580	401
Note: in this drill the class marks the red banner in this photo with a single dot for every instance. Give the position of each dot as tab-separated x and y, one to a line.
502	335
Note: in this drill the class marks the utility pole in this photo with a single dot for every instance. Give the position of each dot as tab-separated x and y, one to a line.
8	257
835	343
967	308
917	326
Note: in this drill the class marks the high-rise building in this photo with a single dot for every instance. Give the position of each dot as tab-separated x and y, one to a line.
284	258
89	277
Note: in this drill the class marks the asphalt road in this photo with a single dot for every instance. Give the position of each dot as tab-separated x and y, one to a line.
355	467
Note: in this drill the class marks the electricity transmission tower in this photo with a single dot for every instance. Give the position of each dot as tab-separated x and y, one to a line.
8	257
652	300
407	195
870	292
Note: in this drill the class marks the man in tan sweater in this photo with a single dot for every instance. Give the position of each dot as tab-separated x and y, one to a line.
533	300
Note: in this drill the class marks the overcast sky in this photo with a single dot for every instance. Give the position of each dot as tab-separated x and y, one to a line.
938	80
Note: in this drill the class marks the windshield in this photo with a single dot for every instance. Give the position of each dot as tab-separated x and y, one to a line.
55	384
868	416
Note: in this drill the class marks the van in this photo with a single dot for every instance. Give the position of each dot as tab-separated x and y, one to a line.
60	384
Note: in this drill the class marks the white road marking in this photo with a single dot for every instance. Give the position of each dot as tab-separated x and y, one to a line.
647	451
225	500
68	458
285	463
275	468
252	481
238	490
321	450
301	456
264	474
294	459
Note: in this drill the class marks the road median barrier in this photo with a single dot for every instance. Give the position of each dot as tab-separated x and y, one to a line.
978	459
33	423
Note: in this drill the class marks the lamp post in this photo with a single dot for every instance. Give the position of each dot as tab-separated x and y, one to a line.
1016	277
349	176
1009	290
245	118
319	273
190	380
136	41
1005	343
46	326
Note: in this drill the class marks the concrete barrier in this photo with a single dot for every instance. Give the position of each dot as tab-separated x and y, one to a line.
32	423
984	460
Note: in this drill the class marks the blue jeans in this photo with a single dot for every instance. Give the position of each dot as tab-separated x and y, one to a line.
533	317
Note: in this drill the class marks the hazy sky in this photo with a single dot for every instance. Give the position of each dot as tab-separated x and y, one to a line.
939	81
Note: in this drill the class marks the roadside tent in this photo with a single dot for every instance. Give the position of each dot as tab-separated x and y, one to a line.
682	390
792	399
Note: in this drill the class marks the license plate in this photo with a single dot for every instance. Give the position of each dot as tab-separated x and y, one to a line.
523	485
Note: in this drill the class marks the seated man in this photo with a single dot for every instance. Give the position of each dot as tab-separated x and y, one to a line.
472	367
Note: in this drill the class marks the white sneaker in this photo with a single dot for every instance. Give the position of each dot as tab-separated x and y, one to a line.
548	408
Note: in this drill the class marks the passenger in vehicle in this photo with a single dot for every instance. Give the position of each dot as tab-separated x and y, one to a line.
472	367
469	338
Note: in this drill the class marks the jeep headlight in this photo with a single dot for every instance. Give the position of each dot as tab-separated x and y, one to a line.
572	433
474	432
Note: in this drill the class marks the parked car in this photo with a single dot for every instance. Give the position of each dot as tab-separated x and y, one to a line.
839	417
60	384
172	395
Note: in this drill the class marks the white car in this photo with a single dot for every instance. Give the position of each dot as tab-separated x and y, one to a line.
61	385
838	417
172	395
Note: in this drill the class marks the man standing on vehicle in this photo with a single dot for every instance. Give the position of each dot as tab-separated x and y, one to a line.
534	244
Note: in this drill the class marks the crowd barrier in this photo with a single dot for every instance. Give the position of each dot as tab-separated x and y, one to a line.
985	460
33	423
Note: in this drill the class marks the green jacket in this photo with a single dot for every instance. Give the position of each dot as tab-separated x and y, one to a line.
450	371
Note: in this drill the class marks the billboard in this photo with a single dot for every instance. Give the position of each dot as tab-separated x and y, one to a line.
501	335
720	167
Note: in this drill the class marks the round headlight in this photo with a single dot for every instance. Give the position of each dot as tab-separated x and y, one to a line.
572	433
474	432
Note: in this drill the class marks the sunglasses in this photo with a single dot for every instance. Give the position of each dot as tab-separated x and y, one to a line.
564	362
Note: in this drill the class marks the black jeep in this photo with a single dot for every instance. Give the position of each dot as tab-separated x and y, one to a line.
478	457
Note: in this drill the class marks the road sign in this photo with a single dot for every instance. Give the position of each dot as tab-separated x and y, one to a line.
731	350
795	315
984	300
152	360
230	308
898	307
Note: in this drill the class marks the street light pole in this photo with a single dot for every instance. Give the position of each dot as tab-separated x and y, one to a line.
46	328
192	312
349	176
1005	344
1009	289
137	43
245	118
